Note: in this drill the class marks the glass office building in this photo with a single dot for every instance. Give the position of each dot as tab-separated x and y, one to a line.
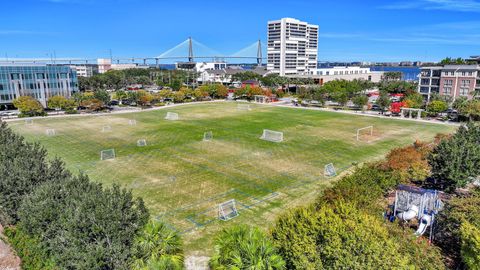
39	81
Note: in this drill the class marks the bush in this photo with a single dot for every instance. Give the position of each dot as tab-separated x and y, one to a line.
409	163
437	106
29	249
456	160
242	247
364	187
337	236
83	226
470	251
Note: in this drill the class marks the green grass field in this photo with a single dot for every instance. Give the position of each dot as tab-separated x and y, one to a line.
183	178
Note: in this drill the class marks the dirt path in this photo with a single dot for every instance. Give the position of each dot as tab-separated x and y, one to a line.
8	260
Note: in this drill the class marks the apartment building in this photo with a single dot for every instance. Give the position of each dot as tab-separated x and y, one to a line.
87	70
449	80
292	47
39	81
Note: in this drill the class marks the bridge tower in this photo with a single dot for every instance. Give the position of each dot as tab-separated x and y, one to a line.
190	50
259	53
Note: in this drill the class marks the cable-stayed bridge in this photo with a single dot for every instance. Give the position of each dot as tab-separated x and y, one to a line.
187	50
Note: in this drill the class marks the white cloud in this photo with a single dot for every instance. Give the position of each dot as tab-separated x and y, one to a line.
450	5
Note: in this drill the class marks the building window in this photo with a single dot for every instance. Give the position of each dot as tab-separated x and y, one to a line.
15	76
447	90
1	86
464	91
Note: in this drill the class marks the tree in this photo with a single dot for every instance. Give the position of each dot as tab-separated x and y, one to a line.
176	85
83	225
23	167
453	61
360	101
413	100
120	95
144	98
178	97
28	106
243	247
472	110
435	107
57	102
157	245
92	104
102	95
384	101
409	162
392	76
456	160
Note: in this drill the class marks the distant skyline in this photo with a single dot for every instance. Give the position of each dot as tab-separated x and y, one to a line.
396	30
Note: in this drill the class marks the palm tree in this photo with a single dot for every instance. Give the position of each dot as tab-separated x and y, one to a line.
157	247
243	247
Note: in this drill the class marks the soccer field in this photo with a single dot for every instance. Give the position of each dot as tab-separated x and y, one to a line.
183	178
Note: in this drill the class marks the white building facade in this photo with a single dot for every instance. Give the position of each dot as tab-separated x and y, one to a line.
292	47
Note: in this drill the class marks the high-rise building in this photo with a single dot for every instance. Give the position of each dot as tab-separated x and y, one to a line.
292	47
39	81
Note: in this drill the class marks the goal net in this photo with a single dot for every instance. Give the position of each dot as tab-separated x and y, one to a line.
171	116
272	136
142	142
106	128
28	122
243	107
365	134
227	210
50	132
207	136
330	170
107	154
132	122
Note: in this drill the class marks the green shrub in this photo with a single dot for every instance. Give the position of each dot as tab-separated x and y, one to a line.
470	251
29	249
243	247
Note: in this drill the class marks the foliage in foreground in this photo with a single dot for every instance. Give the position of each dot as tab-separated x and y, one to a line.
456	160
242	247
23	167
343	230
83	225
157	247
34	257
470	251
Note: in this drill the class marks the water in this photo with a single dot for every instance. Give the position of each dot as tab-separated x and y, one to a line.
409	73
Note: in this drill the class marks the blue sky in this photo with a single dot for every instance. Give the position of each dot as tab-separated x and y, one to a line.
350	30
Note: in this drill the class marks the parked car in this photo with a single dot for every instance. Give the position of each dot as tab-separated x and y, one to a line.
376	107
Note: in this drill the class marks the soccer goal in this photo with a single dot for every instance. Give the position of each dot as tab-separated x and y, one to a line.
272	136
208	136
243	107
50	132
28	122
364	132
171	116
227	210
107	154
132	122
330	170
142	142
106	128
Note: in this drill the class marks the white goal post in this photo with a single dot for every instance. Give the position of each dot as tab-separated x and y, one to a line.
107	154
142	142
272	136
106	128
28	122
368	130
207	136
171	116
330	170
243	107
227	210
50	132
132	122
